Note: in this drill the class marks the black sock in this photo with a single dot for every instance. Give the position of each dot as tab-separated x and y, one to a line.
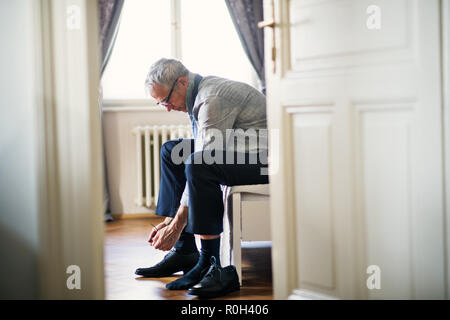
210	248
186	243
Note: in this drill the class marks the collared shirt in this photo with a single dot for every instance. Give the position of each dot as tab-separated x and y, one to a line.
228	115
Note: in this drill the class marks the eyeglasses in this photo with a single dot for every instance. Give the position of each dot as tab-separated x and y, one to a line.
165	102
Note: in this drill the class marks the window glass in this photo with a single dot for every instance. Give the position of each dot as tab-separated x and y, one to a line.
143	37
210	43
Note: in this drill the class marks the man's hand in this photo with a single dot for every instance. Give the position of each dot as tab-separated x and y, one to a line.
166	238
166	234
163	224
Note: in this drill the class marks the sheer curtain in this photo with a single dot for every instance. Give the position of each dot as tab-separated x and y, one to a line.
245	15
109	20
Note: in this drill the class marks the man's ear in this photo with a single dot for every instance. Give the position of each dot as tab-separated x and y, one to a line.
183	81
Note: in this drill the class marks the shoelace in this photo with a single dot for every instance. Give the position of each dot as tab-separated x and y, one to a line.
213	268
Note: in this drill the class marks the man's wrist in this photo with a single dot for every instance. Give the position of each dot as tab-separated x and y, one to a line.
168	220
180	220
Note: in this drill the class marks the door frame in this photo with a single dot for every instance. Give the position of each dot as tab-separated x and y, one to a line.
282	198
70	167
445	45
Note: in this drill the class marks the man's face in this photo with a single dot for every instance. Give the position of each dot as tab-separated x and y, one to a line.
172	98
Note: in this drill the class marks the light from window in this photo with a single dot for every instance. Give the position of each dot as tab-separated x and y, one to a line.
209	45
143	37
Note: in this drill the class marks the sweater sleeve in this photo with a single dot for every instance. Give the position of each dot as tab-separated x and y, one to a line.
185	197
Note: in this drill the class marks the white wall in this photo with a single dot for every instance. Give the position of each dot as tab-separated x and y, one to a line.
18	154
120	148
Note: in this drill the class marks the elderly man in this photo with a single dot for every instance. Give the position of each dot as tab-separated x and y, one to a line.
193	170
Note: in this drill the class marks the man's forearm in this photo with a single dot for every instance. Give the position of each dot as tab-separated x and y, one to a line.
180	219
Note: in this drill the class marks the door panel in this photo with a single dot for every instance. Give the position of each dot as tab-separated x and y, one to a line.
343	25
385	161
312	136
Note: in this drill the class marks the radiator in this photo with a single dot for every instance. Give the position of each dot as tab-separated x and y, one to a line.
149	140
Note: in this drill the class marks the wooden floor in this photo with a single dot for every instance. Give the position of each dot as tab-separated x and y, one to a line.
126	249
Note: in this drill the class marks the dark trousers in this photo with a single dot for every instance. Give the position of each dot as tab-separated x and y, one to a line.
204	180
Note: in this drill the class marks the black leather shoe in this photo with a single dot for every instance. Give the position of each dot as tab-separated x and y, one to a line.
173	262
217	282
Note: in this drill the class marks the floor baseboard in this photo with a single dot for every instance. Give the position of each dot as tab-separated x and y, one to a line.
121	216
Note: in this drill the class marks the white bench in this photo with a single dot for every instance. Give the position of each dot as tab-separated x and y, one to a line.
246	218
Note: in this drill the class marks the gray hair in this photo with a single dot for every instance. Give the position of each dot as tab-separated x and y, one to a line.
164	72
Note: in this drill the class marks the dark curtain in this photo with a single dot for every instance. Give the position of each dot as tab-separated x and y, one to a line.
109	19
245	15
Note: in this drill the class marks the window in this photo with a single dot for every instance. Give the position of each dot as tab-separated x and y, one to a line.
210	43
198	32
144	36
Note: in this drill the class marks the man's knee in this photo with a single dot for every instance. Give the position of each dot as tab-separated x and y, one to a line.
166	149
195	166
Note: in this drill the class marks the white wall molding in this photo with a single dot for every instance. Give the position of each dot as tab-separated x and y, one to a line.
132	109
299	294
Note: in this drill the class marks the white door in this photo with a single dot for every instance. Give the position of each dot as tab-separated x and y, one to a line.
357	197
